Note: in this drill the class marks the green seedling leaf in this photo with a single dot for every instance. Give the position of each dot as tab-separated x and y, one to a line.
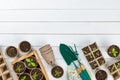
85	52
112	69
34	76
18	69
24	78
91	56
27	60
33	64
94	48
118	66
57	73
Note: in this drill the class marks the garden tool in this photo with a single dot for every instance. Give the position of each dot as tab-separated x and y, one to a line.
70	56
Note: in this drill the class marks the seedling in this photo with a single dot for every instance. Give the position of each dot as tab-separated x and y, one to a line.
34	76
57	73
118	66
114	52
19	69
30	62
24	78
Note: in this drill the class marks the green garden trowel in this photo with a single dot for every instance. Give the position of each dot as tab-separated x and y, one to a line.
70	56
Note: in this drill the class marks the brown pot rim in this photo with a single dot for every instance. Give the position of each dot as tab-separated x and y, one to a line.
101	70
7	54
38	69
24	69
57	66
45	48
23	51
23	74
118	53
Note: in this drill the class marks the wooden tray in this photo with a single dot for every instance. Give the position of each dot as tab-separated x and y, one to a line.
33	53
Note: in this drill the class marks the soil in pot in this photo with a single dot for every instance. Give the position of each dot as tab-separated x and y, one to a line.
112	68
113	51
93	47
57	72
19	67
86	50
25	76
101	75
90	57
36	74
101	61
97	53
11	51
31	62
94	65
25	46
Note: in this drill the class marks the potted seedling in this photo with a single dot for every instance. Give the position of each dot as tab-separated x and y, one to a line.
25	46
25	76
90	57
11	51
118	65
57	71
101	75
86	50
31	62
101	61
113	51
94	64
19	67
93	47
36	74
97	53
112	68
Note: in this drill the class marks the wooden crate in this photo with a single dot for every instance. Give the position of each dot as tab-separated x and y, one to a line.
33	53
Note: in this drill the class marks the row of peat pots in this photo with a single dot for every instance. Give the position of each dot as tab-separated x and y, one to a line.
97	61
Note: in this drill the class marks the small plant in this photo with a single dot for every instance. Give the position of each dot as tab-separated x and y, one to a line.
19	69
31	62
118	66
113	52
57	73
112	69
24	78
34	76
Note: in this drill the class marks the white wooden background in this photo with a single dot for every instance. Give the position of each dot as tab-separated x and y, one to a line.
60	21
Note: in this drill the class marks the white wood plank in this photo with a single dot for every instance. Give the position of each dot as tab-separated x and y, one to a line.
60	28
55	40
59	4
59	15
